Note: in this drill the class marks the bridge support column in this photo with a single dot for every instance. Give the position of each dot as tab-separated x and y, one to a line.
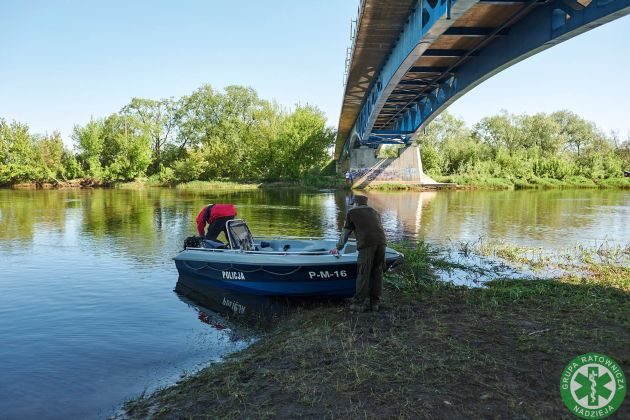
405	169
363	158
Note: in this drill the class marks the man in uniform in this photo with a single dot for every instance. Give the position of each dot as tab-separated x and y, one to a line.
365	222
215	215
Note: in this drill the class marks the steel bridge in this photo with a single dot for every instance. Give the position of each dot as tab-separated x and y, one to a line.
410	59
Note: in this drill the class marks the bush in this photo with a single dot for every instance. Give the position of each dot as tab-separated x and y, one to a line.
431	160
190	168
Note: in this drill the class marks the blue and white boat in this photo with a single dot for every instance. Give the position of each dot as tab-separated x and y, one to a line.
281	266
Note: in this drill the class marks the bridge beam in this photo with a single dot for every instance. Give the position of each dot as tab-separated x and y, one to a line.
427	22
418	81
546	26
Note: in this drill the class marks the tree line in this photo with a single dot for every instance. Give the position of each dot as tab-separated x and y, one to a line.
235	135
556	146
208	135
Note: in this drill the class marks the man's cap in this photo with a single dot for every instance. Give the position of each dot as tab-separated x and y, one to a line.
360	200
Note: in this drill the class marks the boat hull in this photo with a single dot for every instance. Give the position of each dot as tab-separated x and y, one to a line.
321	275
338	280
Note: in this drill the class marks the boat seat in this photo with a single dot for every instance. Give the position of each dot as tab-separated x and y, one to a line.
208	243
313	248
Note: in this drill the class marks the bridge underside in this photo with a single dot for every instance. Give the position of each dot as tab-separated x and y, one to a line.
411	59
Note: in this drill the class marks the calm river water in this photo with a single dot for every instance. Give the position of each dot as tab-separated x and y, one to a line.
88	316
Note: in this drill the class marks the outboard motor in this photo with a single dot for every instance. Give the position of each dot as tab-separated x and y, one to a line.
193	242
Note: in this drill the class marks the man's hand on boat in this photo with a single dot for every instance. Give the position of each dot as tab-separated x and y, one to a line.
334	252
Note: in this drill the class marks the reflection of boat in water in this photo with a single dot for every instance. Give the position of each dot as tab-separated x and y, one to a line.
271	266
253	310
220	319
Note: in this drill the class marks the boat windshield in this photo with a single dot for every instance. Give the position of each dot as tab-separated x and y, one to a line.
239	235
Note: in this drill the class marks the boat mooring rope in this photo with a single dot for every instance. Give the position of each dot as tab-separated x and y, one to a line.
231	267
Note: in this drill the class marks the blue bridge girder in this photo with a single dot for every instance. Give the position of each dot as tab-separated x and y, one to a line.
447	47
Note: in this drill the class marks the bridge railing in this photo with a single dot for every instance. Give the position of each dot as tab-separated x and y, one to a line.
354	31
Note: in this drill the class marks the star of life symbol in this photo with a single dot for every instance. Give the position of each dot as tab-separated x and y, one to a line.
592	386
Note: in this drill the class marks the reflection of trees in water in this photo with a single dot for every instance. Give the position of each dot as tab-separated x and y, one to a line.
284	212
22	212
402	212
532	214
145	224
141	221
152	223
468	215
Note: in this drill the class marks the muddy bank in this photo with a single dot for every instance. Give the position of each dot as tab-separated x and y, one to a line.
69	184
433	351
310	183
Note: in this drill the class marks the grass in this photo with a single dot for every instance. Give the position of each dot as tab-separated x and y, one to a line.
310	181
435	350
140	183
392	186
216	185
615	183
497	183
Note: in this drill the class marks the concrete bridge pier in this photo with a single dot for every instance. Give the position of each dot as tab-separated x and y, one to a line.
369	170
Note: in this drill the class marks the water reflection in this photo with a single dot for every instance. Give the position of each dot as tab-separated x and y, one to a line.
259	312
554	219
402	213
213	318
148	223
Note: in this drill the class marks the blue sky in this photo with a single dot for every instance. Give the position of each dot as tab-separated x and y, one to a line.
64	61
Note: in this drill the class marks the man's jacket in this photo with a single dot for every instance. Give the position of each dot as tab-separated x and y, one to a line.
365	222
212	212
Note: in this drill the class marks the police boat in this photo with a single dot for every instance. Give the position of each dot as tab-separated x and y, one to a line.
279	266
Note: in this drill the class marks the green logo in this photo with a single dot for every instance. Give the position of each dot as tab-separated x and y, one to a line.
593	386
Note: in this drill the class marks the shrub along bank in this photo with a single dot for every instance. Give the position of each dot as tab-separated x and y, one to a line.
553	150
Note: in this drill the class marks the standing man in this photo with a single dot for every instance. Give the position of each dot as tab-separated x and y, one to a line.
215	215
365	222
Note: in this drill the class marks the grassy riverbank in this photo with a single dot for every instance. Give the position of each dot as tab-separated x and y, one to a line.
309	182
465	181
434	350
488	183
337	182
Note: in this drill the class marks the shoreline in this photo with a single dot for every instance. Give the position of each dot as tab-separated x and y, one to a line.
434	350
449	183
490	184
87	183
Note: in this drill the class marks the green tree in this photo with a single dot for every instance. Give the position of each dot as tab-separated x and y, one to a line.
578	133
198	117
17	154
499	131
306	139
89	141
50	154
127	150
539	134
158	120
442	131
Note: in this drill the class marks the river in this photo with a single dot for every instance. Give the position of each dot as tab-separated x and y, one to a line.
88	316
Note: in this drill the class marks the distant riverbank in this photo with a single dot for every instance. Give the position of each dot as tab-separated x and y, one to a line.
465	182
320	181
337	182
434	348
